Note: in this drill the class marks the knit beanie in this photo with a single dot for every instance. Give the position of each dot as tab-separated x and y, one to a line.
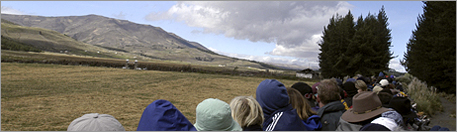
350	88
304	89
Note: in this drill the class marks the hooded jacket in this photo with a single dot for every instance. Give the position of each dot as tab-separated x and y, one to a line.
279	114
330	115
161	115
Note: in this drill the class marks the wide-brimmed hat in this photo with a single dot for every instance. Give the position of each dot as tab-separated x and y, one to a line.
215	115
365	105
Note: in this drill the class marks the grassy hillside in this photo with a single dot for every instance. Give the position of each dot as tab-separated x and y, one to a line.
48	40
48	97
11	44
142	41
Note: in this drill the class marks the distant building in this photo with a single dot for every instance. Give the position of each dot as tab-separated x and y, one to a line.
307	73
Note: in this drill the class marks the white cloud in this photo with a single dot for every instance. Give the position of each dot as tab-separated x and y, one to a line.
9	10
302	63
395	64
294	26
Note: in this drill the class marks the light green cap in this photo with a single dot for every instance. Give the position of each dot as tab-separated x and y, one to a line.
215	115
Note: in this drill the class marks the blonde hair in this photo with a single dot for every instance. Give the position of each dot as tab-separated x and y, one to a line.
299	103
359	84
246	111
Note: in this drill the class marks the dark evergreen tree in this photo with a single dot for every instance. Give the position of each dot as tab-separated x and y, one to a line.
431	52
382	43
337	36
362	48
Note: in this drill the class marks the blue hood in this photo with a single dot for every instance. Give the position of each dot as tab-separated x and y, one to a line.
161	115
272	96
279	114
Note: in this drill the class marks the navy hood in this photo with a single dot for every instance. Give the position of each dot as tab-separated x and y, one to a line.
272	96
161	115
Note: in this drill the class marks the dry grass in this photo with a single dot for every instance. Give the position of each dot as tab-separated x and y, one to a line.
48	97
427	98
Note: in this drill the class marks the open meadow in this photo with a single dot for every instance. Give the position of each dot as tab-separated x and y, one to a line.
47	97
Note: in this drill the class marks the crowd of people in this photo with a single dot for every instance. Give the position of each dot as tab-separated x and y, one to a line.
353	104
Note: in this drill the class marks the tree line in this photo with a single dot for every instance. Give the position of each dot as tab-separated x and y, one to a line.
351	47
431	52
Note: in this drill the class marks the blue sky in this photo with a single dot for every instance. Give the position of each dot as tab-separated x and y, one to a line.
284	32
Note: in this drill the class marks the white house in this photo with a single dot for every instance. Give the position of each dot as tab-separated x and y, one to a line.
306	73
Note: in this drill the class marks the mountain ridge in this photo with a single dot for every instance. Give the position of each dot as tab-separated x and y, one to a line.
101	30
140	39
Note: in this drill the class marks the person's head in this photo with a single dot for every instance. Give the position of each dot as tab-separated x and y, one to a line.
304	89
376	89
385	96
365	107
328	91
95	122
403	106
338	81
272	96
161	115
384	83
350	89
215	115
360	85
298	102
246	111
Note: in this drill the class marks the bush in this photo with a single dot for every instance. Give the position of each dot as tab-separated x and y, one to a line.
427	99
406	79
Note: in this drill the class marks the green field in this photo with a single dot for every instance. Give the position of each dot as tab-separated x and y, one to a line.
48	97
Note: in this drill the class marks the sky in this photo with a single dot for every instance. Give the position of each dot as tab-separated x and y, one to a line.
285	32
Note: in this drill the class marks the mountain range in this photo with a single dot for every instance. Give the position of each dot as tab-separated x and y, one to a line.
113	35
